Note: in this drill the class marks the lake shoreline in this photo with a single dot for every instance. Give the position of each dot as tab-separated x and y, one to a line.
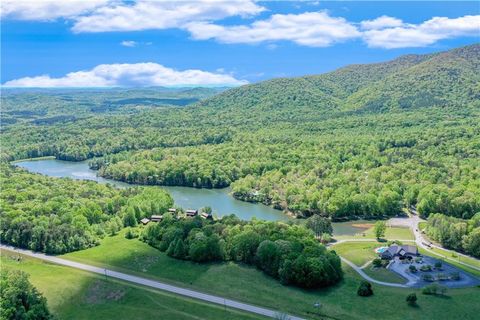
220	200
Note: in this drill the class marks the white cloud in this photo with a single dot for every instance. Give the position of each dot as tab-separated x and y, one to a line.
128	43
144	15
381	23
424	34
137	74
45	10
314	29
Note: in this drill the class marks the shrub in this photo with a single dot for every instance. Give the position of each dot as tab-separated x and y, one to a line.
455	276
442	277
412	268
438	265
426	268
365	289
389	243
131	234
325	238
412	299
377	262
434	289
427	277
418	259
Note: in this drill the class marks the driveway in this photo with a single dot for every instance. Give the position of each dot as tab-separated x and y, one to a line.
415	279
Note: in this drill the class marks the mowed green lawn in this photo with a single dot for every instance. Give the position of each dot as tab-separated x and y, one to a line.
75	294
250	285
358	252
471	261
391	233
382	274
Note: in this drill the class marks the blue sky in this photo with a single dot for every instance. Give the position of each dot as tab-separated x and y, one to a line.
224	43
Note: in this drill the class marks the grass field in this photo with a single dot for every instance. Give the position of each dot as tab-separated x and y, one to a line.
252	286
75	294
470	261
392	233
357	252
458	257
382	274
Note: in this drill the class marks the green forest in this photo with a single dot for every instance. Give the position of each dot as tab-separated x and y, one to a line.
61	215
287	252
365	140
457	234
361	141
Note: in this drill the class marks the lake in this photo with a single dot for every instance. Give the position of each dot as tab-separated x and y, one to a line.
221	202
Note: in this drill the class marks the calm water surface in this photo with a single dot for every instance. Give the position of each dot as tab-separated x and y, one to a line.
221	202
188	198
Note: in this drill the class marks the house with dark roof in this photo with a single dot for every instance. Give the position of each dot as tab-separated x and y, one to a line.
156	218
401	251
191	213
205	215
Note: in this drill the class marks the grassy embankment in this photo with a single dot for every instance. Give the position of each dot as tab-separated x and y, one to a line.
75	294
453	262
357	252
382	274
250	285
391	233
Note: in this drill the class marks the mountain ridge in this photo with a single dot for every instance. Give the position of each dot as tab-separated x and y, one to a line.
399	83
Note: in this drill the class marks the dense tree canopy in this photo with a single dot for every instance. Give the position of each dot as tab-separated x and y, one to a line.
19	300
288	252
61	215
365	140
458	234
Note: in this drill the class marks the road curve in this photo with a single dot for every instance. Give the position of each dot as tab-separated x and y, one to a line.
153	284
368	278
421	242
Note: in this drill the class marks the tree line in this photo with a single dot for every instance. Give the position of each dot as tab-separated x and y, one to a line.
457	234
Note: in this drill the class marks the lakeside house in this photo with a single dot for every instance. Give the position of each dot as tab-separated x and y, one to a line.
401	251
205	215
191	213
156	218
172	210
145	221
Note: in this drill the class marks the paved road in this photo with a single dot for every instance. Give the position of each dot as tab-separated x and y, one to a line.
421	242
154	284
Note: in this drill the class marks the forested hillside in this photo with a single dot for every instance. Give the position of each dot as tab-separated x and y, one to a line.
365	140
54	106
62	215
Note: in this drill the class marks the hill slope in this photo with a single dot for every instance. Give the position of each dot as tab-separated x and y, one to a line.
365	140
411	81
